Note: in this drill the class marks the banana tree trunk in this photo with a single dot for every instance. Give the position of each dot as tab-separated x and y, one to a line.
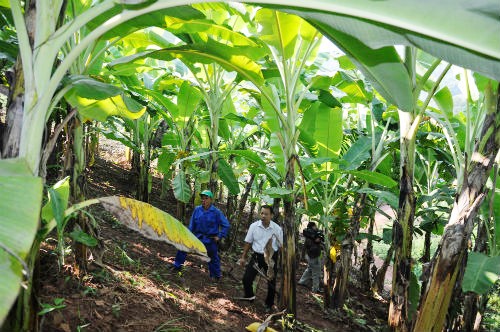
426	257
11	136
402	231
289	264
239	214
214	165
329	280
367	257
143	188
165	186
453	245
231	206
79	182
91	145
378	283
342	277
253	204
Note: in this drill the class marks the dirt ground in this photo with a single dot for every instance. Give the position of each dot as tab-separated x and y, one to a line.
133	290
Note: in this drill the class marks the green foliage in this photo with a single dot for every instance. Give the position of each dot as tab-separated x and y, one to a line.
357	154
491	321
385	196
375	178
49	307
277	192
182	191
227	176
20	204
84	238
382	66
324	124
54	212
481	273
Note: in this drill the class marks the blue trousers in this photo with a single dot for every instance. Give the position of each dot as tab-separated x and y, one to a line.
212	252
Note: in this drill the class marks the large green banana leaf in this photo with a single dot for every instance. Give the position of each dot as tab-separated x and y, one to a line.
357	154
325	125
230	58
481	273
20	203
285	34
458	31
182	191
226	174
98	101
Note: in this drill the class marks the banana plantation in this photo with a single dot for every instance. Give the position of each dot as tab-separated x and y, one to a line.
331	111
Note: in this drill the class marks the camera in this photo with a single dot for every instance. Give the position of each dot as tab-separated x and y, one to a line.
314	234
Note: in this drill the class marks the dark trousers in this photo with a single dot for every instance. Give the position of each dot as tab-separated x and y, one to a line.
251	273
212	252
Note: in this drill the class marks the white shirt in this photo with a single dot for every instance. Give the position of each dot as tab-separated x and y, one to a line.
258	236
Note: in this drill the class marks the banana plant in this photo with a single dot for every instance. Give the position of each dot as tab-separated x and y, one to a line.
445	265
292	42
372	149
461	136
182	120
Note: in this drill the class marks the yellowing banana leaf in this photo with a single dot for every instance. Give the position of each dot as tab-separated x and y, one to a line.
100	110
153	223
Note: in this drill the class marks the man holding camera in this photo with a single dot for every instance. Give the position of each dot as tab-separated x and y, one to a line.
313	244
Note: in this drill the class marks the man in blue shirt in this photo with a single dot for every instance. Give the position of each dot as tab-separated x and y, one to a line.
209	225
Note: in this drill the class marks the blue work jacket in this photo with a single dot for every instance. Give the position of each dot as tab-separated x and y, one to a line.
206	224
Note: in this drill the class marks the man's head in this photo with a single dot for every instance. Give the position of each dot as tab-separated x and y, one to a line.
266	214
312	225
206	198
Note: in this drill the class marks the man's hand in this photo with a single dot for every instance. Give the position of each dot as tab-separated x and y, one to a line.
216	239
241	262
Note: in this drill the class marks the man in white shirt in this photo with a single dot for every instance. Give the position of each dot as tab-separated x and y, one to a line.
258	235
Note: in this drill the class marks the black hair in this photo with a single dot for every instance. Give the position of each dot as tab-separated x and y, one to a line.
311	224
269	207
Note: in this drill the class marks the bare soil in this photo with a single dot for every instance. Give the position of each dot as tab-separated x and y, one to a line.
132	288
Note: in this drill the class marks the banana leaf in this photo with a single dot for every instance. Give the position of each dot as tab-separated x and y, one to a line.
154	224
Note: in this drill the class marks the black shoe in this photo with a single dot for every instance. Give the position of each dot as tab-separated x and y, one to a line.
214	280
